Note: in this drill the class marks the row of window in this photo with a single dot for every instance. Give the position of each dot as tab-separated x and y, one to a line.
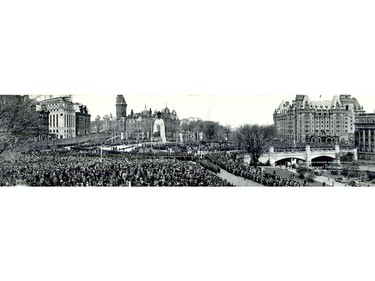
69	120
327	126
366	120
65	131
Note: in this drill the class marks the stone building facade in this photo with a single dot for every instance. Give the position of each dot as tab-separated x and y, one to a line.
328	121
62	121
365	135
83	119
139	126
66	119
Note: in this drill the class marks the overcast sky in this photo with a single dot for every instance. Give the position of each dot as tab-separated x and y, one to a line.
231	110
227	49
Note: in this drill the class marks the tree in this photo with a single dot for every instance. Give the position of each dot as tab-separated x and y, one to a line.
184	125
97	123
346	158
18	121
211	130
193	126
352	170
224	134
227	131
256	139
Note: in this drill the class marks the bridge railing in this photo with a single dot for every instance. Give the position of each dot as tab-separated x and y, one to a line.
286	150
321	149
314	148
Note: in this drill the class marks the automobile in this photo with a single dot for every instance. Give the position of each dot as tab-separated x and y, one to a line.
318	173
341	179
354	183
364	178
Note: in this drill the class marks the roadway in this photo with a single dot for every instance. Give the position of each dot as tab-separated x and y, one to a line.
237	181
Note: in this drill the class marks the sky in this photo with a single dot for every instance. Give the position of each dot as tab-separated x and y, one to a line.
233	110
231	63
265	51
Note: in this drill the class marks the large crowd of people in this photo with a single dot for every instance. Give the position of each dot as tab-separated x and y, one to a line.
128	170
235	165
180	168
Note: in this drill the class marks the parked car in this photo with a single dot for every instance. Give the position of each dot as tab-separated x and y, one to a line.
341	179
354	183
318	173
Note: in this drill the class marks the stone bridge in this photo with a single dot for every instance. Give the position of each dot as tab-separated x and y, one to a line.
308	155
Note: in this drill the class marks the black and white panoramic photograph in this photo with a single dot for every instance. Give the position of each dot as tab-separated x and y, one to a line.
187	140
191	140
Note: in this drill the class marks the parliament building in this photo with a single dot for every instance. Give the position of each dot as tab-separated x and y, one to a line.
139	126
327	121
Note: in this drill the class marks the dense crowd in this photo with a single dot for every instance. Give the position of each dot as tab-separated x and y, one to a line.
236	166
129	170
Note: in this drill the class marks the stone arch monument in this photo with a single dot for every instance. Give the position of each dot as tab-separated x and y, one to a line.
159	129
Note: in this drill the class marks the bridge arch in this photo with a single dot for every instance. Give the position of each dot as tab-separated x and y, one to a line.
322	160
310	154
283	160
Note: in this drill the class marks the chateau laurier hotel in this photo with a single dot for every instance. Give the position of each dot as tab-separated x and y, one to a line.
328	121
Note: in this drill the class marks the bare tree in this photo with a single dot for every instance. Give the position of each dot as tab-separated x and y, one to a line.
18	121
225	133
211	130
256	139
192	126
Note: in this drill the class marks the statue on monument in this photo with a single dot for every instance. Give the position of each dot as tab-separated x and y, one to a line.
159	129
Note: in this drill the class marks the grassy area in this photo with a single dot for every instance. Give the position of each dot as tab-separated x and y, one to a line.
284	173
